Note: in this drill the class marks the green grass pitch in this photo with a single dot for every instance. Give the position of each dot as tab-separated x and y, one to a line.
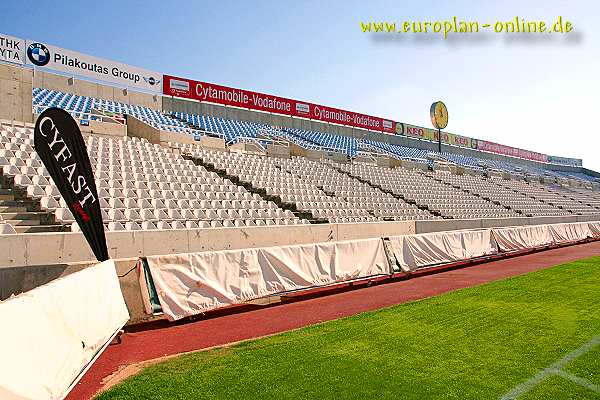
476	343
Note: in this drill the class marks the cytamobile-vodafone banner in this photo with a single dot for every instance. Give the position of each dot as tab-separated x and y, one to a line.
42	55
209	92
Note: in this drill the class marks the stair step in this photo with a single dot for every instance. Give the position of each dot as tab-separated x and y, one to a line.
19	203
23	215
12	209
22	222
41	228
261	192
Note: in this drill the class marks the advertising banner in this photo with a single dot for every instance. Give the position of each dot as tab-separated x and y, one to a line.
42	55
574	162
55	332
432	134
492	147
58	141
209	92
419	132
12	49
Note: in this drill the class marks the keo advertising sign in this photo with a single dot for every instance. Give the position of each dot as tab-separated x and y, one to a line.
12	49
42	55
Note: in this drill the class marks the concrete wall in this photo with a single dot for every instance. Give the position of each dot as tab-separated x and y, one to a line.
243	147
47	80
104	128
194	107
67	247
137	128
212	143
45	257
15	93
456	224
275	150
17	280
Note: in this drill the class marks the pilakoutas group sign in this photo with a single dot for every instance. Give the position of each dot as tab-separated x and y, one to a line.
203	91
41	55
44	55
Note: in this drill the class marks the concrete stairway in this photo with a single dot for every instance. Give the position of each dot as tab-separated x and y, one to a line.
24	213
261	192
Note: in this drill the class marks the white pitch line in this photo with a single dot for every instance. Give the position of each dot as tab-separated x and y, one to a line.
578	380
556	369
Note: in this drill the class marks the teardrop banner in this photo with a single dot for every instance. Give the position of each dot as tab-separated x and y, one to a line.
60	145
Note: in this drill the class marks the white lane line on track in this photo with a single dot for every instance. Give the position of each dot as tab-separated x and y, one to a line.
556	369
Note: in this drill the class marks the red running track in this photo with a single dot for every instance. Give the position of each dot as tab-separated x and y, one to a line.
176	338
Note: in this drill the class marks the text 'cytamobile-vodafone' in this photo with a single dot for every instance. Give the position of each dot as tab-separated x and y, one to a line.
346	118
203	91
216	93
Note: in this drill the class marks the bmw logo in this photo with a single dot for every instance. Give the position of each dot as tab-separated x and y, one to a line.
38	54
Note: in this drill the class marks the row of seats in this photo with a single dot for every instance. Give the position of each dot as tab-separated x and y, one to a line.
83	107
234	131
142	186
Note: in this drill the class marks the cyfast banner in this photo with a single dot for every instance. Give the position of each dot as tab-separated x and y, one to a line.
58	142
209	92
12	49
42	55
510	151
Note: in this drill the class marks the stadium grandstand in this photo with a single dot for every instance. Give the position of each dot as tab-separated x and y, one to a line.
315	177
208	204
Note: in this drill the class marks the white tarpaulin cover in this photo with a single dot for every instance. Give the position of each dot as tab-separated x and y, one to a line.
50	334
522	237
572	232
415	251
188	284
594	229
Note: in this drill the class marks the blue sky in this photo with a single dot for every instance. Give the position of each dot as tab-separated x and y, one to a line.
534	92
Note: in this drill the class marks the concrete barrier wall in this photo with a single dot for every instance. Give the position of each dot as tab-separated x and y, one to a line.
15	93
17	280
275	150
47	80
31	260
456	224
212	142
104	128
137	128
69	247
